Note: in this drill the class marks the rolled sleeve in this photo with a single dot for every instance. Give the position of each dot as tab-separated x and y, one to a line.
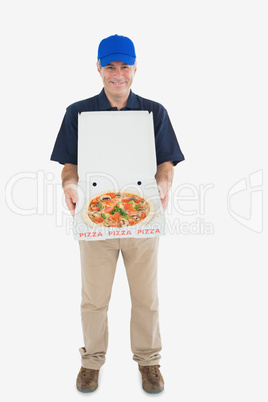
65	148
167	146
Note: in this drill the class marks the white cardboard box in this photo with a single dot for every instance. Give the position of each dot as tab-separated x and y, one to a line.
116	155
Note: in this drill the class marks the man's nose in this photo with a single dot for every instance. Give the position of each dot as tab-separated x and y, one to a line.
118	73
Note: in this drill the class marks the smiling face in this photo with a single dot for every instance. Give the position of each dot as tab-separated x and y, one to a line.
117	79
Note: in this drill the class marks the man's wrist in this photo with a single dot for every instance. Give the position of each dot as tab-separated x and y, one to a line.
69	185
165	173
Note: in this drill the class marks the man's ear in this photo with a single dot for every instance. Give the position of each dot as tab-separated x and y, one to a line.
98	68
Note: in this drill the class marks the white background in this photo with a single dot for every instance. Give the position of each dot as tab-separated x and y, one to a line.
206	62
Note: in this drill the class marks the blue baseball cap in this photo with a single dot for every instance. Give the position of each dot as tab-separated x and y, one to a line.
116	47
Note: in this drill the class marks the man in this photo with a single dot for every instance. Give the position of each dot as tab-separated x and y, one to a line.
117	67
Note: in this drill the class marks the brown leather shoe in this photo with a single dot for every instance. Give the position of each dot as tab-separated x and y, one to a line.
87	380
152	380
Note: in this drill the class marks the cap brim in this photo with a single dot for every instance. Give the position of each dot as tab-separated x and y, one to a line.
117	56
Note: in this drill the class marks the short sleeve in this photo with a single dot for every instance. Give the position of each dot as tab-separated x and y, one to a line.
65	148
167	146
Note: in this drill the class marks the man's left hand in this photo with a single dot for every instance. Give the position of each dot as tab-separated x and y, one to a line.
164	177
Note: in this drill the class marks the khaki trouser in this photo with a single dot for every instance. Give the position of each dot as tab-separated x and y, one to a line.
98	262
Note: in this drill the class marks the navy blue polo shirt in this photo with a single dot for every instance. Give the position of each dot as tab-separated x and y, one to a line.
167	146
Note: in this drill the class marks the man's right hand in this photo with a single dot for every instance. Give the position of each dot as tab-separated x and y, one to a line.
71	198
69	183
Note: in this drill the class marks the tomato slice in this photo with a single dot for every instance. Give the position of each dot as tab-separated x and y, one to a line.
143	215
95	201
95	208
133	212
128	206
131	221
116	215
108	209
112	195
99	220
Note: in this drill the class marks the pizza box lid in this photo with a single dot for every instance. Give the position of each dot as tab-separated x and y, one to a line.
118	143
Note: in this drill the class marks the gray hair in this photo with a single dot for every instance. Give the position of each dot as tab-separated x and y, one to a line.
99	63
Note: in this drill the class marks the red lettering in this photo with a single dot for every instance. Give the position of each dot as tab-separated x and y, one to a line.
92	234
128	232
157	231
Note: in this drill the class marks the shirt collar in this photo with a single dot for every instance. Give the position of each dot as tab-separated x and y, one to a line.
104	104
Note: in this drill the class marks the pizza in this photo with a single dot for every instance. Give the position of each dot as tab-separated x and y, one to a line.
117	209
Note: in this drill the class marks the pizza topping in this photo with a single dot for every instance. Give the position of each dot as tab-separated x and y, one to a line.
105	197
127	206
94	214
109	223
108	209
131	221
118	209
117	215
112	195
143	210
136	218
124	222
99	220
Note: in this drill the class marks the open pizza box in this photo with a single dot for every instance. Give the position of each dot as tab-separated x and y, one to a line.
117	191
